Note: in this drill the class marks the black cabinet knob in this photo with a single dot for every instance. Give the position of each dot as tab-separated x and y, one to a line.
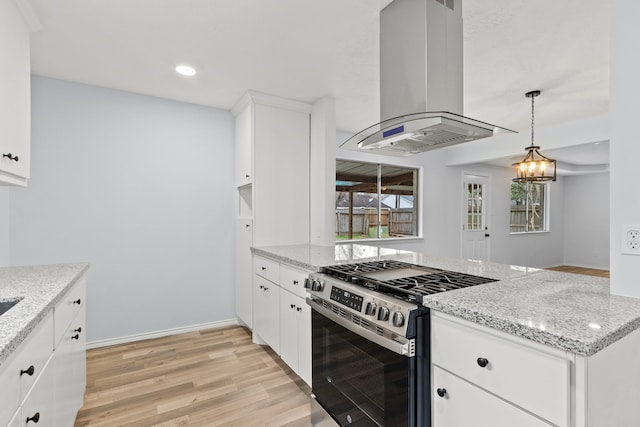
247	225
299	308
295	282
77	330
246	176
29	371
264	268
482	362
441	392
293	306
78	301
35	418
75	337
11	157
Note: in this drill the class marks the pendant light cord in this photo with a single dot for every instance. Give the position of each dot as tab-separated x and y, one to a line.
532	98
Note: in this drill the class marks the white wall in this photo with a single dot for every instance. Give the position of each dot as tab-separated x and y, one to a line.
586	227
624	147
140	187
4	226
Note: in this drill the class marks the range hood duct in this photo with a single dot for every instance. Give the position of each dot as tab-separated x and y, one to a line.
421	82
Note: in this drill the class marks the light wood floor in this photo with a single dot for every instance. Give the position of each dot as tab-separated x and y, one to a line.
581	270
208	378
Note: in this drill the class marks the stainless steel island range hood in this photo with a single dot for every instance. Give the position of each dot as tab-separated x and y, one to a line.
421	87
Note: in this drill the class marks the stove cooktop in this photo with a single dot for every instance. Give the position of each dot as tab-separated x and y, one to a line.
403	280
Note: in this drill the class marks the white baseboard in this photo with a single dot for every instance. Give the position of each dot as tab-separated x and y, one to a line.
159	334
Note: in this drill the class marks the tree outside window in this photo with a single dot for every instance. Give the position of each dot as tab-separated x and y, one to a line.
528	207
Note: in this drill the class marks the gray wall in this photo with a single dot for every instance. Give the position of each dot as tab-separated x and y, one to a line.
140	187
586	230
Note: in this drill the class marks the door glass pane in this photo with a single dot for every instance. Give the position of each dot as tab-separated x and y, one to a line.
475	207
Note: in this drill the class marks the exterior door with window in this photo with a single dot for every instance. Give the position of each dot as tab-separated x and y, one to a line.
475	218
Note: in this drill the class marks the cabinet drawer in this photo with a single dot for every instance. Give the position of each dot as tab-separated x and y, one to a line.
292	280
526	376
266	268
68	307
464	405
9	388
39	403
34	353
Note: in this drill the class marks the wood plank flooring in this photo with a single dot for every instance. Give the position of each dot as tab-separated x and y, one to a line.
215	377
581	270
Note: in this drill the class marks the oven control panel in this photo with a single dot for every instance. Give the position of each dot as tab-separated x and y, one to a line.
347	298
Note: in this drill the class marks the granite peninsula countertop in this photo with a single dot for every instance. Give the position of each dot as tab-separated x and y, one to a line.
571	312
40	288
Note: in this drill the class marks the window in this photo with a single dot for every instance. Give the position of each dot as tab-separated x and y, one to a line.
375	201
528	207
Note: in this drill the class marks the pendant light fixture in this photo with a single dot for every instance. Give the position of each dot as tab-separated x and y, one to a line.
534	167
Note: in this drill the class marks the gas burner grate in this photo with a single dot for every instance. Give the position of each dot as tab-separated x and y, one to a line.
410	288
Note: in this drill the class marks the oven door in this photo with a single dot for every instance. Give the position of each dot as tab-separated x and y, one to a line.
362	383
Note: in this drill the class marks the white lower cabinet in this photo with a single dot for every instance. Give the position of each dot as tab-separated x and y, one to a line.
266	312
281	316
535	380
42	383
295	334
458	403
70	371
497	377
39	407
484	377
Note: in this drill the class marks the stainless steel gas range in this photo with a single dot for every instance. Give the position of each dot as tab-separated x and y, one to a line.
370	341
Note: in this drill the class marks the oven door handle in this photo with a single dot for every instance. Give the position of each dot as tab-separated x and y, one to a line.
399	345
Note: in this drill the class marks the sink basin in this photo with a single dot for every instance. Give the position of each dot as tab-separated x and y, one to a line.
6	305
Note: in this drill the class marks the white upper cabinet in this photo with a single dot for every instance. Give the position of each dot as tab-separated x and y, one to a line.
244	139
15	96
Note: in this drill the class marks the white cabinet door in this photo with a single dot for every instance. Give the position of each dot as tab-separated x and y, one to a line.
243	288
281	169
304	342
289	328
243	146
295	334
266	311
463	405
15	101
70	371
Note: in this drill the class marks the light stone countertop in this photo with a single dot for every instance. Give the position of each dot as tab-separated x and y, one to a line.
40	288
571	312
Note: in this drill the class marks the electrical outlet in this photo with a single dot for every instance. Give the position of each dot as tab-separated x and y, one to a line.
631	239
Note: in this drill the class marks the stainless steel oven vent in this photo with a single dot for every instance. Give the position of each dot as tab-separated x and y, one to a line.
421	81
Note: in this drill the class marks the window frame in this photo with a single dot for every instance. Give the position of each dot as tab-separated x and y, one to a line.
416	195
546	211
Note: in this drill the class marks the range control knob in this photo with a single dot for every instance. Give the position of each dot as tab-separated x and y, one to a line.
317	285
397	319
307	283
383	313
370	309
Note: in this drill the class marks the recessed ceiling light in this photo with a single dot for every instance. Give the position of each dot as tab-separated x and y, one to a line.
186	70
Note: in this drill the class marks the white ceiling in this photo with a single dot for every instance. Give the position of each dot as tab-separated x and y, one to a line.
305	50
